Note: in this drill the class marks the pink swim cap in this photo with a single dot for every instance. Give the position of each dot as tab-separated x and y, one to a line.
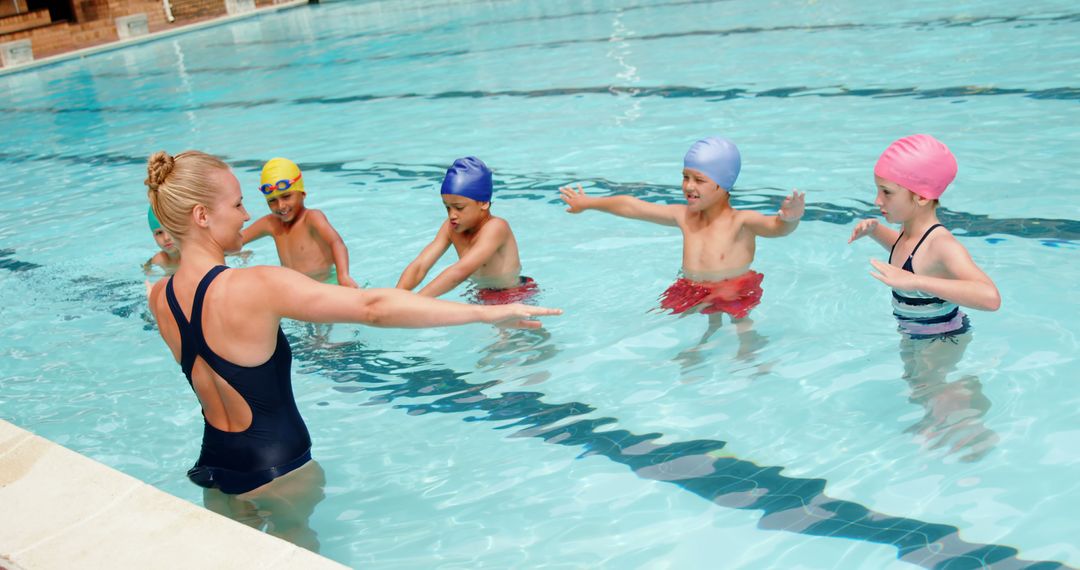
919	163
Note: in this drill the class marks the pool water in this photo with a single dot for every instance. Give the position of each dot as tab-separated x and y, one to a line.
612	438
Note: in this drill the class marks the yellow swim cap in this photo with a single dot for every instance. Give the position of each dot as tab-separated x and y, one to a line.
280	175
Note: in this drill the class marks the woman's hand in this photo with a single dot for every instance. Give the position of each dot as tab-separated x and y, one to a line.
574	199
517	315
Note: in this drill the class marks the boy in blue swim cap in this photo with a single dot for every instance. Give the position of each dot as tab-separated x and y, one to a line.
305	240
168	259
486	248
718	240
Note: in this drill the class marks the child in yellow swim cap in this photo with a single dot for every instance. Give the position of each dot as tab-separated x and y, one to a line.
305	240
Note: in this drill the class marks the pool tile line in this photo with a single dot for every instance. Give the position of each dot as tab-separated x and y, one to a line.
1052	232
705	94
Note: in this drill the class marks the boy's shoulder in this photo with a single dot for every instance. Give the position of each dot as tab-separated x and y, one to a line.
313	216
497	225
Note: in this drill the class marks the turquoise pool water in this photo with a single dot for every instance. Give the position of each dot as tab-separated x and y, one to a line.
605	441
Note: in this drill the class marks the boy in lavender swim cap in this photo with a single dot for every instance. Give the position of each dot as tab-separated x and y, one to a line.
486	248
718	240
931	274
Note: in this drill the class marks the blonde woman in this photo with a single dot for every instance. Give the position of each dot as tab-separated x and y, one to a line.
223	327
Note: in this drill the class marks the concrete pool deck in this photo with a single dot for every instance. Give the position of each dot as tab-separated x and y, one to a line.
63	510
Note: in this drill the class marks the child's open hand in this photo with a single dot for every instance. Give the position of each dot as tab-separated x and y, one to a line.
517	315
793	207
893	276
863	228
574	199
348	281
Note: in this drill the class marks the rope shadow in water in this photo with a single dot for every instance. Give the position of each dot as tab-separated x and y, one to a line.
792	504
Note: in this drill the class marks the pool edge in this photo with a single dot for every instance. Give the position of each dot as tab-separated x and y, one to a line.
117	521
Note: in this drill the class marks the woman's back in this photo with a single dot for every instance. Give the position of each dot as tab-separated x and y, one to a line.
253	431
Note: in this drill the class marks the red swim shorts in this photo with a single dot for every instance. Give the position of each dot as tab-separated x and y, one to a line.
523	292
735	296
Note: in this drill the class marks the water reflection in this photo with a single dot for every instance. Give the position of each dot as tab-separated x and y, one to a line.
954	410
420	386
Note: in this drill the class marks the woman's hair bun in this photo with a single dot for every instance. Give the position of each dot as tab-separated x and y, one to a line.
158	168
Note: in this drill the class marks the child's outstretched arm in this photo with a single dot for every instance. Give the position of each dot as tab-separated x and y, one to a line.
967	286
337	247
784	222
623	206
885	236
259	229
488	240
416	271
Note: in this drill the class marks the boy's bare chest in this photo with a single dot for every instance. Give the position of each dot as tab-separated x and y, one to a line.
719	233
463	244
296	240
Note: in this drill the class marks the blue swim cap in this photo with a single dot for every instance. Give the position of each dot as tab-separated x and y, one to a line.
716	157
152	219
468	177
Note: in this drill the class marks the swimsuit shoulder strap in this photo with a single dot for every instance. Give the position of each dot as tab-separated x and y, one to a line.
893	248
188	348
191	337
924	236
200	294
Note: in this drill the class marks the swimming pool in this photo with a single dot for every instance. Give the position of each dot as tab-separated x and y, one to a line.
603	441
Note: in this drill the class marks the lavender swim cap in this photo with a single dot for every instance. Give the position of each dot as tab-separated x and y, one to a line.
716	157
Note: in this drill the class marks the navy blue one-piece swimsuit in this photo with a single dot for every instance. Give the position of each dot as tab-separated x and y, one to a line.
277	440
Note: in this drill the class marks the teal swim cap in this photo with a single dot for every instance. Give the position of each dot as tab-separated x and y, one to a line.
152	220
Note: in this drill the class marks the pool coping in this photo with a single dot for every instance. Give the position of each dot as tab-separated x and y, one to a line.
63	509
153	36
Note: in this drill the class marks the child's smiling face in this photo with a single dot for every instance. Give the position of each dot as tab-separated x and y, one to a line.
286	206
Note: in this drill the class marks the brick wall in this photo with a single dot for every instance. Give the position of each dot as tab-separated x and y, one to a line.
9	8
96	22
24	21
197	9
87	11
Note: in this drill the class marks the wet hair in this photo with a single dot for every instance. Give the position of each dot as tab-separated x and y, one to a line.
176	184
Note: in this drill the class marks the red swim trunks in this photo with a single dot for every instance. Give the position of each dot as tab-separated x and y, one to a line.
735	296
523	292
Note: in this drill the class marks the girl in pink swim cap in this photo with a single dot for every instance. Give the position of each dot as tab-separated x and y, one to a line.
931	275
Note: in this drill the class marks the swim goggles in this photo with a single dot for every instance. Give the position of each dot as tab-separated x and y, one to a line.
279	186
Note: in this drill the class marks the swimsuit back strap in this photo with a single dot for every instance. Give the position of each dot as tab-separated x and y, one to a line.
924	236
197	303
191	337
